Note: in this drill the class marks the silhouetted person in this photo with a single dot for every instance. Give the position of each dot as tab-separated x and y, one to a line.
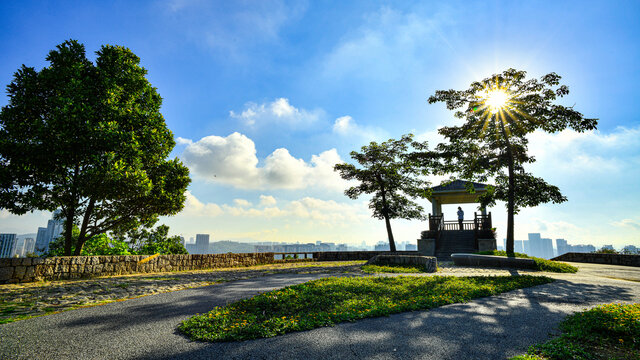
460	216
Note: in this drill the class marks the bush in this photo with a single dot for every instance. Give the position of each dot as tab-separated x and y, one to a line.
610	331
541	264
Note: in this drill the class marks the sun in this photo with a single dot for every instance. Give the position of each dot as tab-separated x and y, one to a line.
496	100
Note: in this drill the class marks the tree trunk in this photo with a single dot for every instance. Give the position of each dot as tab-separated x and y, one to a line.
82	237
385	214
68	229
510	195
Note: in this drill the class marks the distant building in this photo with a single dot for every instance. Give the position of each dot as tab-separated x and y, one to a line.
51	232
8	243
562	246
29	246
382	246
411	247
202	243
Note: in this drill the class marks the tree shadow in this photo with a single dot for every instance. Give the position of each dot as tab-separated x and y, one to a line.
488	328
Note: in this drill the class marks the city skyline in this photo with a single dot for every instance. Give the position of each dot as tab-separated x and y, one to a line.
264	100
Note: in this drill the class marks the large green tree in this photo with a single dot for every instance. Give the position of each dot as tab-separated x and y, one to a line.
499	112
153	241
89	139
388	172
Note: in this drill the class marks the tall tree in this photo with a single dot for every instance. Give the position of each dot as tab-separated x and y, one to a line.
89	139
387	171
499	113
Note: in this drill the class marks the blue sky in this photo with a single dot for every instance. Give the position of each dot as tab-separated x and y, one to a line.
268	95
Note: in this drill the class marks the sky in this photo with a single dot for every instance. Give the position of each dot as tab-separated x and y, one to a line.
264	97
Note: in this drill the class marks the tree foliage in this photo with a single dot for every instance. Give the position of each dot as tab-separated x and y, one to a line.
155	241
492	142
99	244
89	139
388	172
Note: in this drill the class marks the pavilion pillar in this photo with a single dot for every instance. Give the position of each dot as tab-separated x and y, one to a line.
436	207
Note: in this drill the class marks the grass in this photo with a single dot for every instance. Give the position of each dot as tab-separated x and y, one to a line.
329	301
610	331
394	268
541	264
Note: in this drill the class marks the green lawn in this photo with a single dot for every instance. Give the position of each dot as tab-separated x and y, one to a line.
541	264
329	301
609	331
392	268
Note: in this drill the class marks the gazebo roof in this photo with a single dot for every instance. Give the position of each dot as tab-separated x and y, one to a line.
456	192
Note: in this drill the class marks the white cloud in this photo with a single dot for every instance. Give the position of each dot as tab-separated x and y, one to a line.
279	111
194	207
183	141
235	29
241	202
388	43
232	160
329	212
570	152
634	224
267	200
346	126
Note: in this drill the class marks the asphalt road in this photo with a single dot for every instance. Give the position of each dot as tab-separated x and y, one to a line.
495	327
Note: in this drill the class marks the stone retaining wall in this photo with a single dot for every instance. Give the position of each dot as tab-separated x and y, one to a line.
14	270
612	259
355	255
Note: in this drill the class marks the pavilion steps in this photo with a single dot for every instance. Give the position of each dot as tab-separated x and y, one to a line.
455	241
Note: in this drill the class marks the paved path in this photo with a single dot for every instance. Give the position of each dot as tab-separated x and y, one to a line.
489	328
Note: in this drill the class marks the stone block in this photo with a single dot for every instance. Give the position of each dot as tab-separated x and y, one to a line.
492	261
26	262
5	262
16	262
31	272
6	273
37	261
18	273
429	263
427	247
487	244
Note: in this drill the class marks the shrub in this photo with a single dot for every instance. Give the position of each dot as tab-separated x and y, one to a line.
541	264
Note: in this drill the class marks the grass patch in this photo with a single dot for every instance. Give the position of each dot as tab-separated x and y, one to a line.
394	268
541	264
329	301
609	331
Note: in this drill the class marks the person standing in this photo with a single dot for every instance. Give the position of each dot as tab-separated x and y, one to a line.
460	216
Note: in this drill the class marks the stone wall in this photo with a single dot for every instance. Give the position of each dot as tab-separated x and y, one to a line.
612	259
355	255
14	270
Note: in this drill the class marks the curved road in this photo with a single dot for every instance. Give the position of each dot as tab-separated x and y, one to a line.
495	327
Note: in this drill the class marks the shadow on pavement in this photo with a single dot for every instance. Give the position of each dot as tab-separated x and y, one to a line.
488	328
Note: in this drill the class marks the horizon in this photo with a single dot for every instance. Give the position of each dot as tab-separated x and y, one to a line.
275	93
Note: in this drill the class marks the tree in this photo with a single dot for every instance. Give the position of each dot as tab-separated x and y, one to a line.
389	173
89	139
499	112
155	241
96	245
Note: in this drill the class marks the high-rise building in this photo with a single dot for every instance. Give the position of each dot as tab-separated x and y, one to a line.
562	246
8	243
202	243
519	246
41	241
51	232
28	247
539	247
382	246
